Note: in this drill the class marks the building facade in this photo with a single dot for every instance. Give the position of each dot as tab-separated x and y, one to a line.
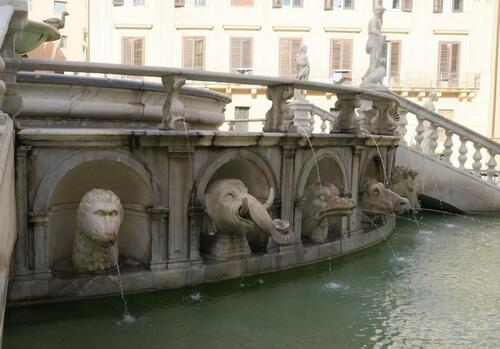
441	46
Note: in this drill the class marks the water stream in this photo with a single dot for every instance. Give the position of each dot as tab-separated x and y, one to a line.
441	291
127	317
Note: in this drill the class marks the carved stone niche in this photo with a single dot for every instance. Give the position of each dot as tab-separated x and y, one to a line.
99	217
279	117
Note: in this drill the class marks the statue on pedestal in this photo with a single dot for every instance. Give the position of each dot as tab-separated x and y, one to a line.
303	69
377	70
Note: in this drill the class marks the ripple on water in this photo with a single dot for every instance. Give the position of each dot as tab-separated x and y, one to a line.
335	285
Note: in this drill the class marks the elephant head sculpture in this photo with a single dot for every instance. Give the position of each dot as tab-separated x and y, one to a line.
232	210
403	183
320	203
376	199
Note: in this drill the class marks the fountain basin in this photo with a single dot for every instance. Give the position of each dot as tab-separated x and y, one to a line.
35	34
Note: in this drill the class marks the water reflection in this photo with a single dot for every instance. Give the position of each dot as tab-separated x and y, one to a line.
427	287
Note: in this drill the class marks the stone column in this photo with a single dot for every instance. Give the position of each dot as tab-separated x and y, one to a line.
196	215
159	222
355	219
41	244
179	188
21	264
287	186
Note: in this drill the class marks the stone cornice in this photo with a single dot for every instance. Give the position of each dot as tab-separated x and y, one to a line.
278	28
242	27
342	29
396	30
133	26
194	27
450	32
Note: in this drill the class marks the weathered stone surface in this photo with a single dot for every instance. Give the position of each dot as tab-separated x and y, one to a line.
403	184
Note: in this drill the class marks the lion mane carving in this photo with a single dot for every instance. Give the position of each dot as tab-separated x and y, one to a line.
99	217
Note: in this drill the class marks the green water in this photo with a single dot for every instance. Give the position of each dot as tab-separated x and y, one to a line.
432	286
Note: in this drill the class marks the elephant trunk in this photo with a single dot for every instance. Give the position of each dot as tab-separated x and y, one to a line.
278	229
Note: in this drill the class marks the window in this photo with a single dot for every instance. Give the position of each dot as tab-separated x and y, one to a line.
344	4
241	113
448	63
448	6
289	48
291	3
241	54
133	50
244	3
194	3
391	4
133	2
59	7
63	41
193	52
341	60
393	61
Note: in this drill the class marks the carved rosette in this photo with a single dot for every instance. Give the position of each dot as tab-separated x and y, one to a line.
279	117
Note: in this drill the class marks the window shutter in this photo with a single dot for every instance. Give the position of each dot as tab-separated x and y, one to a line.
285	59
347	57
395	67
348	4
277	3
179	3
438	6
117	2
454	63
328	5
246	53
341	56
235	54
297	3
199	53
187	53
296	43
126	51
407	5
444	61
241	2
138	51
458	5
336	55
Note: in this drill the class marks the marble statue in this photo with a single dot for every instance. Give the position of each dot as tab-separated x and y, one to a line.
403	184
303	70
231	210
429	103
57	23
319	204
376	200
99	217
376	72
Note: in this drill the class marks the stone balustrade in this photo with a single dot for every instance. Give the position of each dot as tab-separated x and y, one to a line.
448	141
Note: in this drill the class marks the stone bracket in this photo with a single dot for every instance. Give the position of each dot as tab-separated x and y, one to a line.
279	117
383	122
173	108
347	120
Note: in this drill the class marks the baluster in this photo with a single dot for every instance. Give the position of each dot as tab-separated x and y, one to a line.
403	122
433	140
231	125
312	121
462	158
492	167
477	157
323	125
448	146
419	137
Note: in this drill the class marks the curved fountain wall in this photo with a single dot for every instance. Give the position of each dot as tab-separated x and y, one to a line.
76	134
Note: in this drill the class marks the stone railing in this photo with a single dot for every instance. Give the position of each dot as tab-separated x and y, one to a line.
279	118
444	139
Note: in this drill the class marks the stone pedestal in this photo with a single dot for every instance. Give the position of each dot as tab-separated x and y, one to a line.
302	116
229	246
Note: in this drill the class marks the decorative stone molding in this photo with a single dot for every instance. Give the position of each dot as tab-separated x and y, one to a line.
242	27
194	27
133	26
342	30
450	32
396	30
173	108
40	244
159	223
280	116
277	28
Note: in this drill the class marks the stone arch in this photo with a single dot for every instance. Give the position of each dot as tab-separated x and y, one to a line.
323	155
61	189
231	161
373	167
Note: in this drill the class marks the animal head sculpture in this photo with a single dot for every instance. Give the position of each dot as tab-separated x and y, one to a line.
403	183
319	204
99	217
232	210
376	199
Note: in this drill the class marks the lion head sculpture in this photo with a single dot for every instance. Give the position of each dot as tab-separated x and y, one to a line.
99	217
